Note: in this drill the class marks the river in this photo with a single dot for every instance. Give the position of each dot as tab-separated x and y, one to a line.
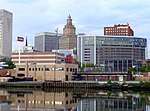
73	100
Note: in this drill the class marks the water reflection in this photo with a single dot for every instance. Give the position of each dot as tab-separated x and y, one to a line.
73	100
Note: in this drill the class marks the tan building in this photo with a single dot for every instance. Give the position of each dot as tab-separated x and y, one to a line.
69	38
119	30
62	72
38	58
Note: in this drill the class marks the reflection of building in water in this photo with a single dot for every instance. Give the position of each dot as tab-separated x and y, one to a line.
42	101
112	104
4	107
4	101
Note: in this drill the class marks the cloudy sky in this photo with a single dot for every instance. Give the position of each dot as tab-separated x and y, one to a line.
89	16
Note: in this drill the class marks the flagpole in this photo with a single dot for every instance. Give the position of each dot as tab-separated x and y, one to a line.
19	53
19	39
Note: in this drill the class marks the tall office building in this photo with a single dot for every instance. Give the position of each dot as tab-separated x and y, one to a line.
69	38
46	41
119	30
6	21
112	53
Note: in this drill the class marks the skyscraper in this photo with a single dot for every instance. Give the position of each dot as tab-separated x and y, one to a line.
6	21
46	41
119	30
69	38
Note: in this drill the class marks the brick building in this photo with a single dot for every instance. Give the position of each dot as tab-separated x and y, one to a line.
119	30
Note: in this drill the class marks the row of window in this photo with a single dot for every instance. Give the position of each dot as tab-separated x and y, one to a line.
48	69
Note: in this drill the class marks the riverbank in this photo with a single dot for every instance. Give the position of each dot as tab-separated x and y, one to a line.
141	86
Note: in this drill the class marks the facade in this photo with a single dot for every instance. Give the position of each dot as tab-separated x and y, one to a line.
119	30
38	58
69	38
6	22
111	53
46	41
53	72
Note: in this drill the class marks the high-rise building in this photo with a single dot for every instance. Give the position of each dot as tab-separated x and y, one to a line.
112	53
69	38
6	22
119	30
46	41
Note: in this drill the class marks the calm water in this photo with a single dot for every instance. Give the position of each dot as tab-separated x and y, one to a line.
73	100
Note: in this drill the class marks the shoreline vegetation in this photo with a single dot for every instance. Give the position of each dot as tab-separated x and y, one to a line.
141	86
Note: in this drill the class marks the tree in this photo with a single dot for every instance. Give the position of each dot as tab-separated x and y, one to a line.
142	69
10	64
148	68
132	70
79	63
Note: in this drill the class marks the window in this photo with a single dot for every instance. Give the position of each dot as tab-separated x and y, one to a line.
67	69
46	69
59	69
70	69
21	69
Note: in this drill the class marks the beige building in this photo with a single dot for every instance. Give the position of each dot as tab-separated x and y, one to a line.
61	72
43	66
38	58
69	38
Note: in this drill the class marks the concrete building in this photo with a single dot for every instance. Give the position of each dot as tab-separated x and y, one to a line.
53	72
6	22
119	30
38	58
44	66
46	41
69	38
111	53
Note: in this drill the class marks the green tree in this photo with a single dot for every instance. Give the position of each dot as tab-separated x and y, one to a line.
148	68
142	69
79	63
10	64
88	65
132	70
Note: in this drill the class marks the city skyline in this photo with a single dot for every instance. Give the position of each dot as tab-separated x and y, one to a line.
90	17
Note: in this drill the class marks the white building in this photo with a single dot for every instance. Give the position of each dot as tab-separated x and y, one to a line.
6	21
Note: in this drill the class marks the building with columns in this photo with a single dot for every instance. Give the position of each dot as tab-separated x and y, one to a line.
69	38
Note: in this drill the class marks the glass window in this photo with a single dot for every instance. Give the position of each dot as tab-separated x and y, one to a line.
21	69
67	69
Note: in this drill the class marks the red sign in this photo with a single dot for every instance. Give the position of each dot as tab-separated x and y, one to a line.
20	39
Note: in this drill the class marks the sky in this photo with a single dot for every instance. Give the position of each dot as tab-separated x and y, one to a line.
89	16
